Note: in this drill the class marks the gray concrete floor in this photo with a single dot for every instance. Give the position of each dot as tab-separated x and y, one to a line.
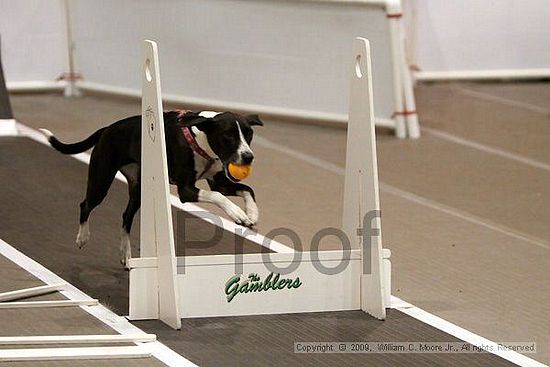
465	207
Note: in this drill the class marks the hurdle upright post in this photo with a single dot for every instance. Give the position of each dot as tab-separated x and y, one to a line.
361	182
156	233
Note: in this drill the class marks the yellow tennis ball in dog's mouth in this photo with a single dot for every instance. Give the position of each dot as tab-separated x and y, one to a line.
239	172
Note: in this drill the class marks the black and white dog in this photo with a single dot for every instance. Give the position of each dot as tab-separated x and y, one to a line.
198	146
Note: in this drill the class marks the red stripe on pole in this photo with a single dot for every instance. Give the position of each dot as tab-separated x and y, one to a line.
404	113
70	76
394	15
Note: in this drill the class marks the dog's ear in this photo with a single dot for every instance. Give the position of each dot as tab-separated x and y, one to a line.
254	120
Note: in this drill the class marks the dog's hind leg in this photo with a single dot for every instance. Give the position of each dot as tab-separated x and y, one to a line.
83	229
131	172
101	173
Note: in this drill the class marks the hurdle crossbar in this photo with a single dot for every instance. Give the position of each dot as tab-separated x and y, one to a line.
76	339
49	304
202	286
31	292
88	353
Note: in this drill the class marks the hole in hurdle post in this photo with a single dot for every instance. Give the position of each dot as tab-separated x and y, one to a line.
358	71
148	75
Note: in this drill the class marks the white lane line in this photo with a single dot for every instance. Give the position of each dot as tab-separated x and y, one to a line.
504	101
465	216
333	168
118	323
314	161
461	333
230	226
485	148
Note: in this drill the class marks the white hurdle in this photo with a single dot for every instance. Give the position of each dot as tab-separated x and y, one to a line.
156	233
165	287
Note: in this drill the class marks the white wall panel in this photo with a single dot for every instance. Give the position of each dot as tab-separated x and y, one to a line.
275	53
480	34
33	40
288	54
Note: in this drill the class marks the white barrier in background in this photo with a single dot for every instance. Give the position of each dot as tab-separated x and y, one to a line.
291	65
167	288
478	40
271	72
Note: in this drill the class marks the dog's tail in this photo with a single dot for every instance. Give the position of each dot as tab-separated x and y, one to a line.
74	148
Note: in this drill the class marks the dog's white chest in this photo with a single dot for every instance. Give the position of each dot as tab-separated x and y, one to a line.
204	169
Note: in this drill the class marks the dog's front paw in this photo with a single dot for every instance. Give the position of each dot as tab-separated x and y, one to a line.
253	213
238	215
250	204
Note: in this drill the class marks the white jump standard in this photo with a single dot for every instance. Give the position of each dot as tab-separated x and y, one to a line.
167	288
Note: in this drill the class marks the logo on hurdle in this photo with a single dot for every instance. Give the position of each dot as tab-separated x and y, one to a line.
150	118
255	284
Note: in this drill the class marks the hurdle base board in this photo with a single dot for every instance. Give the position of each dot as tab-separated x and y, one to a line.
207	276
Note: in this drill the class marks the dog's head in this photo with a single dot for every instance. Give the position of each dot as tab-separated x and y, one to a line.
230	135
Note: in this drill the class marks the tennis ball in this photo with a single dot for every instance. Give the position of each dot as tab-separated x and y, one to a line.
239	172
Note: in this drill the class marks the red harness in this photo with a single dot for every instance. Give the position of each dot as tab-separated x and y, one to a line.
197	149
194	145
